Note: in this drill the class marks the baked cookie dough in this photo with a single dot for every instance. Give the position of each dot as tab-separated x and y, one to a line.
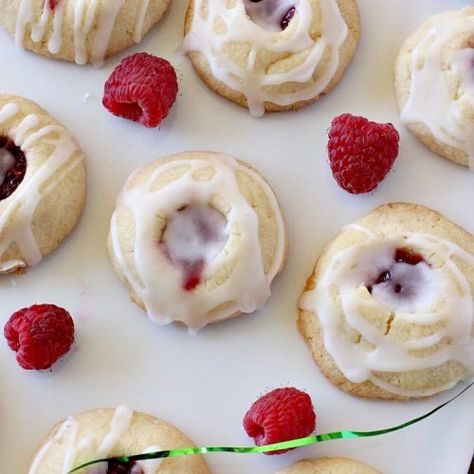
434	82
197	237
328	466
104	433
83	31
388	310
42	183
271	55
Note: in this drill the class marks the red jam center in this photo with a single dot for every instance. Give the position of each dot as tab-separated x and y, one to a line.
116	467
287	18
14	174
402	255
52	4
270	13
192	273
194	236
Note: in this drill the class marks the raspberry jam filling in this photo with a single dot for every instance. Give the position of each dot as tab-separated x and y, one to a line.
52	4
271	15
405	283
12	167
193	237
116	467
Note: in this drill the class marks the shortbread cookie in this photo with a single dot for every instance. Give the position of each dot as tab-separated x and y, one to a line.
388	310
271	55
197	237
84	31
105	433
42	183
435	85
328	466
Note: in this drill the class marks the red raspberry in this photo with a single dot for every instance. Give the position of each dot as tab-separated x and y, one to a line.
281	415
39	335
141	88
361	153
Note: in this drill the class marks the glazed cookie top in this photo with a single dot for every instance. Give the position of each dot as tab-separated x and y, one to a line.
207	240
104	433
263	49
79	30
394	295
435	81
37	155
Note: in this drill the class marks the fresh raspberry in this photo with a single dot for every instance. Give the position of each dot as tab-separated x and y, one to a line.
141	88
281	415
39	335
361	153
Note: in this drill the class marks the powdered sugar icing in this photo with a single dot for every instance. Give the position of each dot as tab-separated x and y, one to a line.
157	281
260	34
448	116
452	320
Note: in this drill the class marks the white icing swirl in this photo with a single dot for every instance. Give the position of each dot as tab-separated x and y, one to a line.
16	214
91	18
158	282
446	303
430	101
239	28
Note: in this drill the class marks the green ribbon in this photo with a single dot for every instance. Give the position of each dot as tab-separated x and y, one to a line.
294	443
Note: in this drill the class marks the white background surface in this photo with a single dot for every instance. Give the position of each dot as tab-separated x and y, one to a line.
205	384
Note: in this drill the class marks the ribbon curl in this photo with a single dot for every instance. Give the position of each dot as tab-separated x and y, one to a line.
294	443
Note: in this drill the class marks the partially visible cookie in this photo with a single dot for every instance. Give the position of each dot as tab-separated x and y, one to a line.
328	466
42	183
388	310
82	31
271	55
197	237
435	86
104	433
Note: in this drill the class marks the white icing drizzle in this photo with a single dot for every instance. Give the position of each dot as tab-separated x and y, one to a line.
38	30
106	20
67	435
240	28
430	101
348	272
138	33
158	283
25	199
90	17
118	427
